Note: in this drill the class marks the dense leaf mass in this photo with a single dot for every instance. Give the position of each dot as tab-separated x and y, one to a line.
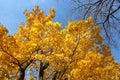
75	52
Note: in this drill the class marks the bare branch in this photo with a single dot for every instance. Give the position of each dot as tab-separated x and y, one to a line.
104	13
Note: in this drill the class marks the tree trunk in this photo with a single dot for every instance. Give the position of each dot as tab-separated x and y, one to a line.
43	66
22	75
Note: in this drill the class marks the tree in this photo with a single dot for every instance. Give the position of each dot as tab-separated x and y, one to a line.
18	50
105	13
75	52
12	61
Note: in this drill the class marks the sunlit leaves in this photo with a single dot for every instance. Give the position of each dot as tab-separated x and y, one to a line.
94	66
3	31
75	52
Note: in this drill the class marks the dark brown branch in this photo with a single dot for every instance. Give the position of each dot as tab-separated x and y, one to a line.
11	56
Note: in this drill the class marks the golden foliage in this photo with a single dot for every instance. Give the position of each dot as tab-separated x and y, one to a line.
75	52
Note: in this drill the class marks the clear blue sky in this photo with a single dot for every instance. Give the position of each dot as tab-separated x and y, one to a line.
11	12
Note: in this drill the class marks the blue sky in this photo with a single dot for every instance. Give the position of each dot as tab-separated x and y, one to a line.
11	12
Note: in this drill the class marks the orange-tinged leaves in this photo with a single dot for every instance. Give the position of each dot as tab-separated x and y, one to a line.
75	52
3	31
5	78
